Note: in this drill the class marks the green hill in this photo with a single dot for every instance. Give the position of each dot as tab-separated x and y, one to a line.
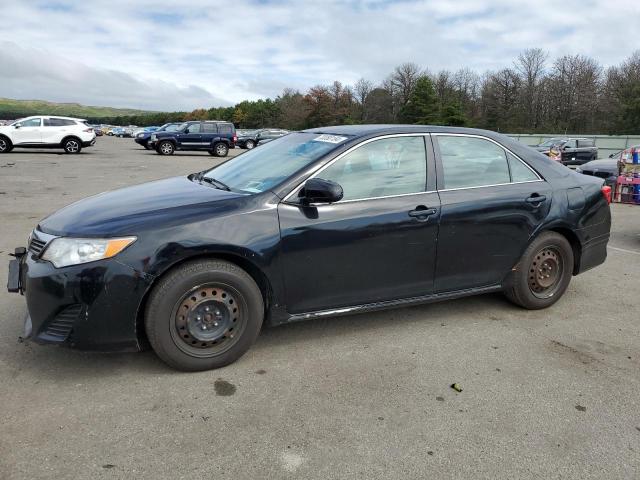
10	109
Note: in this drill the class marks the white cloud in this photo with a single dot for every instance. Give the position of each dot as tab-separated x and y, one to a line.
165	55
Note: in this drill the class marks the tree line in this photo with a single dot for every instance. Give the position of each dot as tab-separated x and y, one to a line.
569	94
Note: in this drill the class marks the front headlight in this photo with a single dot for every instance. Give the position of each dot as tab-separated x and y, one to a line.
578	170
63	252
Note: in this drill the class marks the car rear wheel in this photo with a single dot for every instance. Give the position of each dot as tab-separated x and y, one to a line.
220	150
5	145
166	148
249	144
72	145
203	315
543	273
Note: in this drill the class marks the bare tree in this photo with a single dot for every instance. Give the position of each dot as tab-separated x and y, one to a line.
531	67
361	90
573	89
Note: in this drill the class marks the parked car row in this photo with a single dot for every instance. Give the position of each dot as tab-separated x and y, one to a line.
252	138
569	151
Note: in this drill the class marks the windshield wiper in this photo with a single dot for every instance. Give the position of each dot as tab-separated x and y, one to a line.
214	182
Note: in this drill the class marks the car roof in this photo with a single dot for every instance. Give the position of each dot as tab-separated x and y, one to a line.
382	129
54	116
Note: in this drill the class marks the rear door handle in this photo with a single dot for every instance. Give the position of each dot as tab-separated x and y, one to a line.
536	199
421	212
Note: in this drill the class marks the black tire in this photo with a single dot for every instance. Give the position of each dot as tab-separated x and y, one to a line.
72	145
5	145
195	286
543	273
249	144
220	149
166	148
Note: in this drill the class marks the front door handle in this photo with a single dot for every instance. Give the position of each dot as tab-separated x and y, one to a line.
422	213
536	199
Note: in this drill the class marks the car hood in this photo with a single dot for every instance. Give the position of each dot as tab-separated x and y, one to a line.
129	210
605	164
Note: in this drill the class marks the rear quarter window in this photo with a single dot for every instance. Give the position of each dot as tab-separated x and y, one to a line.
225	129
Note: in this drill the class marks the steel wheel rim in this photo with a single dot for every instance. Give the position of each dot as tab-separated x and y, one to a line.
72	146
166	148
220	149
200	336
546	272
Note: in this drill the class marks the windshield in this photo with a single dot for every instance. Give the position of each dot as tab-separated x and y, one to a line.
552	142
260	169
168	127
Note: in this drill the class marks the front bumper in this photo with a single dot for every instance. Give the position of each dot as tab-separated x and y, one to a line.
93	306
142	140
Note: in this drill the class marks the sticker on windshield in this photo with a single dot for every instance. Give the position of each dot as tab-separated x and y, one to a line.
329	138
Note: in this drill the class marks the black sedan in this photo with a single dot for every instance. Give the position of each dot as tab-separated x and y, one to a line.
606	168
250	139
323	222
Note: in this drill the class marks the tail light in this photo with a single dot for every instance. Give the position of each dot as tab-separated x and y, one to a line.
235	138
88	130
606	193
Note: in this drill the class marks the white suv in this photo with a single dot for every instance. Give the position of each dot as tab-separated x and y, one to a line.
72	134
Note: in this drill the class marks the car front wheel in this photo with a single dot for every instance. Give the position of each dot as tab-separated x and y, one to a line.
72	145
165	148
543	273
203	315
5	145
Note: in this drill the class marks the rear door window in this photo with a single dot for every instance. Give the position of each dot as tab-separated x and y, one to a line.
209	128
58	122
472	162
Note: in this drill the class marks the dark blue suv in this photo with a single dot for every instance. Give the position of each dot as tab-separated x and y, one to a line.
214	136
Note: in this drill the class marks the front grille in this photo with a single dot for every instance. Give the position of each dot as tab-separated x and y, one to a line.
36	245
62	325
39	241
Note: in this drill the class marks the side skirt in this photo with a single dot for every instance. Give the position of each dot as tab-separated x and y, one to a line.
404	302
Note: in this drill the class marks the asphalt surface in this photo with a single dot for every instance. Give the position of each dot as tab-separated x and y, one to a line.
547	394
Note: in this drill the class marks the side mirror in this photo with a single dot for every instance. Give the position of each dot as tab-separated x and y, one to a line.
318	190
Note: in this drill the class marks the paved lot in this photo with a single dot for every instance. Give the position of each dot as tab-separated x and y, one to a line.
550	394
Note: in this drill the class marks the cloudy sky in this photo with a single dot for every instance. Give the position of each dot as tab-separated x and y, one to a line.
180	55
